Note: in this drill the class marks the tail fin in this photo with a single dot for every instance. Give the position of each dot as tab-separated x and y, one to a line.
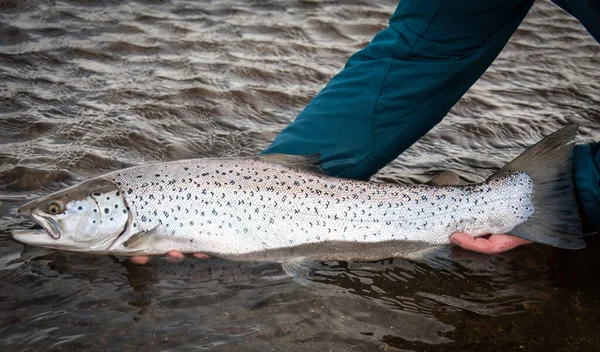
555	221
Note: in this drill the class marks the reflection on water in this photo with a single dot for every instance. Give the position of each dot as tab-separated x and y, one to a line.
443	297
94	86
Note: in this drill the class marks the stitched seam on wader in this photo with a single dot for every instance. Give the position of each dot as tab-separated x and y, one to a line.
370	127
371	152
371	156
424	30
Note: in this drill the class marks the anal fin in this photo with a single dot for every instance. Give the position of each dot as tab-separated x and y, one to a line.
299	269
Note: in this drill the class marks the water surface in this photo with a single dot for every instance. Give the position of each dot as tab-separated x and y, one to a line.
93	86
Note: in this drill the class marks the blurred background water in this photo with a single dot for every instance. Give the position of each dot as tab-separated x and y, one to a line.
89	87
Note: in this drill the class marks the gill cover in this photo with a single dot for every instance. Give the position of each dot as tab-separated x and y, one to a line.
80	219
113	213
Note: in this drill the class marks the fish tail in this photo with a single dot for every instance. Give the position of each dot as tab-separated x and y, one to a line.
556	220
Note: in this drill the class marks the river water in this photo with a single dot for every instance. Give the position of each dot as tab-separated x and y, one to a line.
89	87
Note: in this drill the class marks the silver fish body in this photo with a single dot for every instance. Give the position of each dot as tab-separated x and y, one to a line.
275	208
241	207
235	207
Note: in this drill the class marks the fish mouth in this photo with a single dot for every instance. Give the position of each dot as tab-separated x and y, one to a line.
46	224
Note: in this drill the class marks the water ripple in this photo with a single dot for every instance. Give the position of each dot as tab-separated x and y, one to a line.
94	86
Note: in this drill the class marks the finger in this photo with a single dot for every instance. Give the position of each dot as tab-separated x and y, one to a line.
201	256
494	244
141	260
175	257
505	242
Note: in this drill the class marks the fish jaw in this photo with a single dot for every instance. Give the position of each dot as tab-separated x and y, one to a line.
49	225
44	237
47	236
34	237
41	238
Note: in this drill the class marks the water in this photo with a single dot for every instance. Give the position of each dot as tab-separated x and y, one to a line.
93	86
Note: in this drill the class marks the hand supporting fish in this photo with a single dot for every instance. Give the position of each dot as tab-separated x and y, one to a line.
281	207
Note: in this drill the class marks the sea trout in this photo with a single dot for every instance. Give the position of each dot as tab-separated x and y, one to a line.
282	207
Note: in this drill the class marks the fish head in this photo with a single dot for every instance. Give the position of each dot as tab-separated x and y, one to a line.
85	217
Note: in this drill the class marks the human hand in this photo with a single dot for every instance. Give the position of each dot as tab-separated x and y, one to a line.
490	245
172	257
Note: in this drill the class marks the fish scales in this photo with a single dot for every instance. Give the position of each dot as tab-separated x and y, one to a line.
236	206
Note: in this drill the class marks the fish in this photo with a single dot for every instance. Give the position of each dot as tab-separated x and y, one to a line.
284	208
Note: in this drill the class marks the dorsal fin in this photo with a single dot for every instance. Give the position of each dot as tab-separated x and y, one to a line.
309	162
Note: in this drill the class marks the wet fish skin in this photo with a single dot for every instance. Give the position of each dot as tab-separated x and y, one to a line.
278	207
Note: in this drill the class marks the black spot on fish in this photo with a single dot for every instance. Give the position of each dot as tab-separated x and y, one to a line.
80	208
95	210
118	193
129	191
106	210
116	206
93	222
124	211
97	194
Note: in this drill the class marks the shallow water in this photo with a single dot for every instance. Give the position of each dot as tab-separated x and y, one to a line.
94	86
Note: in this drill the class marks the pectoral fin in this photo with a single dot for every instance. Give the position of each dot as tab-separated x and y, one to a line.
299	269
136	241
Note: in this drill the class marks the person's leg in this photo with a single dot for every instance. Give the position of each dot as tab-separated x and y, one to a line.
586	11
402	84
586	158
586	167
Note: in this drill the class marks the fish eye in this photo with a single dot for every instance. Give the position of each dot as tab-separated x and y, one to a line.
53	208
